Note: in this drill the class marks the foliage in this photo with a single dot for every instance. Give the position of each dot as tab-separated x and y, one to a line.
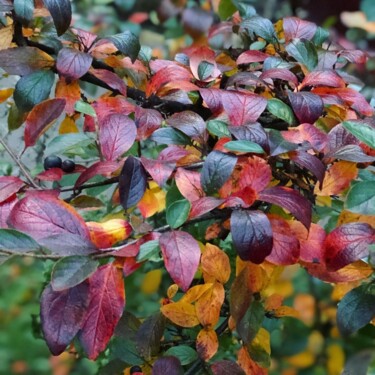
203	186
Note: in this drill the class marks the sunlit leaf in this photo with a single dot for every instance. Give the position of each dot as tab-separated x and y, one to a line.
181	313
215	265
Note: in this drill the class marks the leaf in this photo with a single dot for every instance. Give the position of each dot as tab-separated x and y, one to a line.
181	313
167	365
260	26
168	136
251	132
195	292
202	64
40	118
9	185
217	168
308	107
294	27
361	198
132	183
181	255
189	185
259	349
247	364
72	63
149	335
244	146
116	135
42	215
127	43
159	170
218	128
111	79
24	10
350	153
252	235
184	353
207	343
104	168
304	51
148	250
291	200
251	322
277	143
281	110
85	108
310	162
327	77
251	56
107	302
61	12
204	205
242	108
24	60
356	309
364	132
280	73
5	209
71	92
215	265
347	243
177	213
16	242
33	88
62	315
71	271
147	121
226	367
205	69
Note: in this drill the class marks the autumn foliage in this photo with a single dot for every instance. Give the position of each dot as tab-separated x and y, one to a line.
212	173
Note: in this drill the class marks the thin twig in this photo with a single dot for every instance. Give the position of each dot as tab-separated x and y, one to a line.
19	163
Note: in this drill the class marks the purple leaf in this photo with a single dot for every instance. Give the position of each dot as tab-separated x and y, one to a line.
72	63
167	365
61	12
308	107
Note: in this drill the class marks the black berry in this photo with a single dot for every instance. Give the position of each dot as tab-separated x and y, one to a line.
135	369
52	162
68	166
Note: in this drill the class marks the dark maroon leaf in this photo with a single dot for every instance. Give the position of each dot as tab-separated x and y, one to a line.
107	302
307	107
72	63
104	168
133	182
251	132
62	315
339	137
296	28
147	121
9	185
350	153
61	12
327	77
310	162
159	170
167	365
252	235
289	199
226	367
347	243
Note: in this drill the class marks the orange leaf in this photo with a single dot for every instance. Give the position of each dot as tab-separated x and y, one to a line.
68	126
305	306
285	311
207	343
195	292
71	92
273	302
5	94
181	313
153	201
248	365
351	217
215	264
208	306
172	291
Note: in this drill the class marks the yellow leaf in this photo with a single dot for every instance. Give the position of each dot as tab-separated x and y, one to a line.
339	290
305	305
315	342
153	201
302	360
351	217
196	292
207	343
6	36
67	126
335	359
151	282
262	340
5	94
215	265
172	290
181	313
285	311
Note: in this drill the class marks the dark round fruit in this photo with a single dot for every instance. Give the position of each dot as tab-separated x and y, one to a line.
68	166
135	369
52	162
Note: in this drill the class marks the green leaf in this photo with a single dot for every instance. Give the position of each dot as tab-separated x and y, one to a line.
184	353
320	36
169	135
71	271
15	117
259	26
85	108
17	242
361	198
281	110
127	43
125	349
205	69
356	309
250	324
244	146
178	212
4	258
24	10
364	132
148	250
66	143
303	51
218	128
33	89
226	9
368	7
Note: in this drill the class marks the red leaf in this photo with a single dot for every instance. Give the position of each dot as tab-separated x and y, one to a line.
296	28
203	205
327	77
53	174
73	64
308	107
62	315
348	243
105	168
167	365
226	367
107	302
291	200
181	255
173	153
252	235
108	105
283	74
160	171
189	184
116	135
9	185
130	265
111	79
5	210
285	248
42	215
212	98
251	56
243	108
355	56
41	117
147	121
